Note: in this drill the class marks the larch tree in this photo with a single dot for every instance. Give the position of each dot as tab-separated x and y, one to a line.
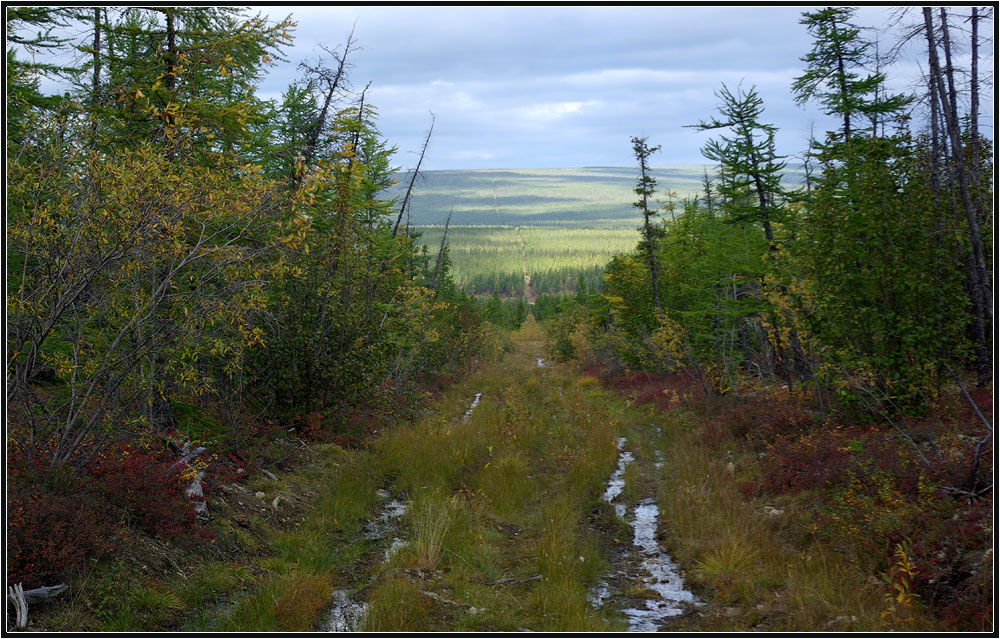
645	188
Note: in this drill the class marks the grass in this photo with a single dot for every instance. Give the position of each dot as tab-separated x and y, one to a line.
432	517
498	502
739	555
308	562
398	606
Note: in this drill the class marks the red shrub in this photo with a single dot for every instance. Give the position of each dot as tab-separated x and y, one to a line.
793	464
147	487
51	534
223	470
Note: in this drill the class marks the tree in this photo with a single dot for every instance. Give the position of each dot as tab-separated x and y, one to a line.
834	67
752	189
982	297
645	188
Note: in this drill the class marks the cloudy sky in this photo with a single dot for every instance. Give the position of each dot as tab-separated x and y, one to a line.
522	87
568	86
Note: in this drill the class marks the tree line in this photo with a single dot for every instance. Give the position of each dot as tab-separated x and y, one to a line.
870	284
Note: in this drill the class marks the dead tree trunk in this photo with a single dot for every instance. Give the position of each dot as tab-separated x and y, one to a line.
444	238
413	180
981	294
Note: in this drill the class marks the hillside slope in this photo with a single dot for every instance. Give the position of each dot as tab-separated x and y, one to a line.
593	197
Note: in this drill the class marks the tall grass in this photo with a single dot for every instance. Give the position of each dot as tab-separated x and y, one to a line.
498	502
432	517
741	555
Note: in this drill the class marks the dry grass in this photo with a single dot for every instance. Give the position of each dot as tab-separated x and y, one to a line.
432	517
740	555
299	596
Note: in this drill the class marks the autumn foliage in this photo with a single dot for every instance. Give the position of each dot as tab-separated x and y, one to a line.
192	265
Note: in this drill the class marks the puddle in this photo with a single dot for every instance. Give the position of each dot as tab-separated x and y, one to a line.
394	547
663	576
661	572
475	402
381	526
657	453
599	593
616	484
346	614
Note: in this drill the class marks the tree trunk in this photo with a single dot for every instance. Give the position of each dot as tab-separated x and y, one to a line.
981	295
413	179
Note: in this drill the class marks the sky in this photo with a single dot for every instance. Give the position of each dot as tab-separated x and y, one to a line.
569	86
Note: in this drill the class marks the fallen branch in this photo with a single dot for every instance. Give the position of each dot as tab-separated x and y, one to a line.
37	595
16	596
19	598
472	610
973	477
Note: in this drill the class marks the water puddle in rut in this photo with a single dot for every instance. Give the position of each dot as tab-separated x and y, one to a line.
347	614
616	484
475	402
661	572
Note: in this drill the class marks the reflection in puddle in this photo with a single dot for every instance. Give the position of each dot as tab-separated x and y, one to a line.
346	614
662	576
616	484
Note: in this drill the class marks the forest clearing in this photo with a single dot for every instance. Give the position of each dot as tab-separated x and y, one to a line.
261	378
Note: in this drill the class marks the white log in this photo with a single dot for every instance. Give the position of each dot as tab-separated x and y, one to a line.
38	595
16	596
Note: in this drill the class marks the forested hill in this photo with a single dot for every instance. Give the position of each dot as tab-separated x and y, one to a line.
591	197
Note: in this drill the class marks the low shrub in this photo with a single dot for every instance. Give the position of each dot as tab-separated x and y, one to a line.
58	519
50	535
147	487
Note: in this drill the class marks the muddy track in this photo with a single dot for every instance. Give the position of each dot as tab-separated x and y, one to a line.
516	438
644	582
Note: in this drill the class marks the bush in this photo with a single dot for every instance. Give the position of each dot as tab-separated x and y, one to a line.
58	519
146	487
50	534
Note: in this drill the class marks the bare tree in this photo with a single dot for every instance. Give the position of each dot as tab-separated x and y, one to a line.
404	207
943	83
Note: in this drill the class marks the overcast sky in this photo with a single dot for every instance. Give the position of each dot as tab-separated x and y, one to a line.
523	87
533	86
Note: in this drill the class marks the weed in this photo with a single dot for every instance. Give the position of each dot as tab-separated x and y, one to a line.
432	517
726	567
